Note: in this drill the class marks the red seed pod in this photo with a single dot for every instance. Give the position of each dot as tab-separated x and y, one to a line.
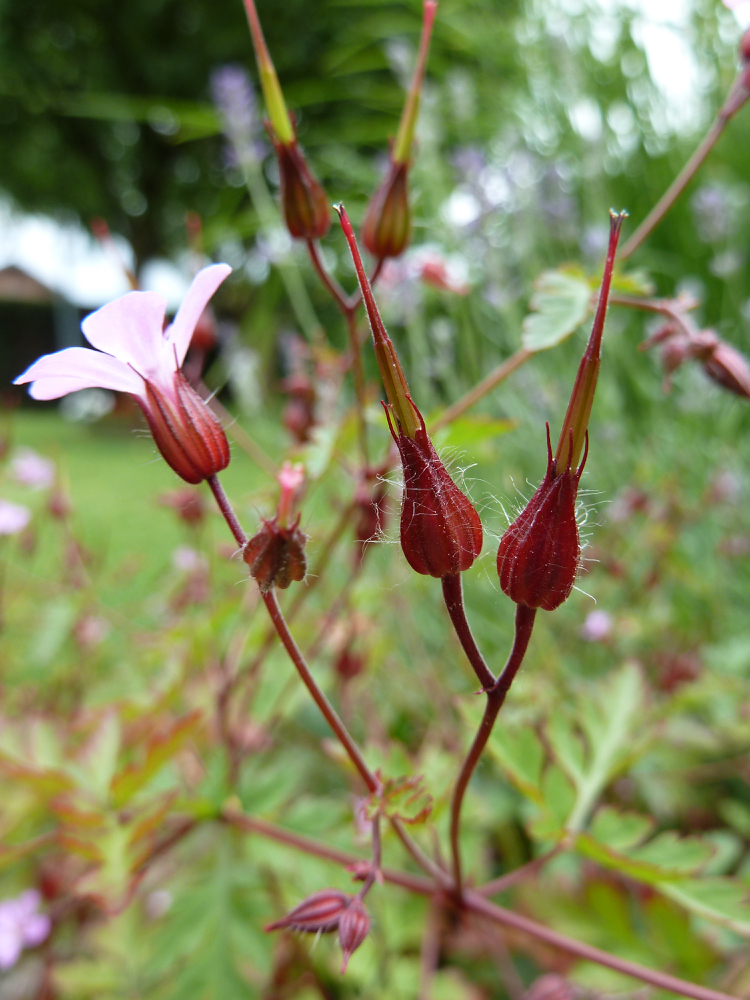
386	231
276	555
303	200
441	533
318	914
354	926
539	554
729	368
188	435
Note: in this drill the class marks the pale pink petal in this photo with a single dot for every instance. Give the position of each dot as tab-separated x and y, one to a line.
131	329
10	947
13	518
203	287
76	368
36	928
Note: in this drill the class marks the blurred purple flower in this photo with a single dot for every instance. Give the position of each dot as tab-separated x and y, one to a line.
21	926
13	517
234	97
30	469
598	626
711	210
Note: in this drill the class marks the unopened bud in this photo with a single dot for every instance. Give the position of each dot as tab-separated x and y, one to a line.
386	231
441	533
303	201
354	926
729	368
538	558
188	435
318	914
745	47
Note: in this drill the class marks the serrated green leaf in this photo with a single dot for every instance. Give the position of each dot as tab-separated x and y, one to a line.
158	751
559	305
521	755
637	282
620	830
607	720
723	900
674	853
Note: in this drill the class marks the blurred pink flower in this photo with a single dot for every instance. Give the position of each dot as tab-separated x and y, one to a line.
30	469
13	517
21	926
598	626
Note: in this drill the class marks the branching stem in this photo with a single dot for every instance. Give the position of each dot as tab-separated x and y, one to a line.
496	695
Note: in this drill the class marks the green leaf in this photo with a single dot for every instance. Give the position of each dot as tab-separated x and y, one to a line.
560	304
723	900
159	751
607	719
620	830
674	853
521	755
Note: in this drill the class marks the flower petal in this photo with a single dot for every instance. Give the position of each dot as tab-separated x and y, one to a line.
76	368
131	329
202	288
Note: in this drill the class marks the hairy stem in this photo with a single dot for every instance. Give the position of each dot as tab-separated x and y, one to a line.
318	697
226	510
454	602
495	698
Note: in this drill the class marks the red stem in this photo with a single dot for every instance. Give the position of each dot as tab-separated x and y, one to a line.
318	697
496	695
454	602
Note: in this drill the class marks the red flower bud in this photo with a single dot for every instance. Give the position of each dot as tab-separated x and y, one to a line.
729	368
386	231
319	913
188	435
303	200
276	555
539	553
354	926
745	47
441	533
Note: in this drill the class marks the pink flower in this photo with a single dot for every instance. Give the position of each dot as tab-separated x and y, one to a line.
13	517
21	926
30	469
136	355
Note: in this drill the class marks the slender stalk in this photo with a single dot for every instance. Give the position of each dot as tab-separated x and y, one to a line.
312	580
360	385
454	602
377	857
226	510
495	698
675	189
318	697
480	390
498	885
332	286
661	980
474	903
